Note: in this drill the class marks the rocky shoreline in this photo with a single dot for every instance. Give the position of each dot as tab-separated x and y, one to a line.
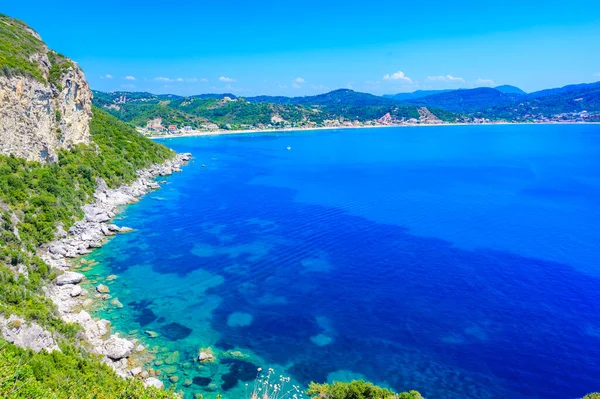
70	299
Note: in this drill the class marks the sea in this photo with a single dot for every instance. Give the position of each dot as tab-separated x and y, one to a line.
459	261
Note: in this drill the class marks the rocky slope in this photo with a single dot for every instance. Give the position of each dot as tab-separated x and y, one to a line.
45	101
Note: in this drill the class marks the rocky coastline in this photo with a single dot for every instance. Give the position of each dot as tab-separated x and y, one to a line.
65	291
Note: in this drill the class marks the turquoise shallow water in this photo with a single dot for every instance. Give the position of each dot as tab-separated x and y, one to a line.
459	261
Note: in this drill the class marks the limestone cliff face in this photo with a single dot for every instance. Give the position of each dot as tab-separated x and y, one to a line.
39	116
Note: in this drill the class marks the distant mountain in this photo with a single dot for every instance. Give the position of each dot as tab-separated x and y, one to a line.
562	100
564	89
508	89
346	97
415	94
466	101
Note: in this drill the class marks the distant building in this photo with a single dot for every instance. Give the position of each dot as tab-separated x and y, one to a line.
187	128
172	128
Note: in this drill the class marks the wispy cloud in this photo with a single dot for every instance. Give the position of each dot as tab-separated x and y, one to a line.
485	82
299	80
398	76
128	86
226	79
204	80
129	77
164	79
296	85
282	86
319	87
597	74
107	76
191	80
447	78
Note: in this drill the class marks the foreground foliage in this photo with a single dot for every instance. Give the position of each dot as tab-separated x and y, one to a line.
68	374
356	390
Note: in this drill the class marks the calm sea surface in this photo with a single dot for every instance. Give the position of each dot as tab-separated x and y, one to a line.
463	262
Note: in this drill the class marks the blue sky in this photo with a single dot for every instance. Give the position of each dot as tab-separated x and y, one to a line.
303	48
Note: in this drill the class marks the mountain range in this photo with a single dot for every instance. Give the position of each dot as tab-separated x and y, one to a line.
502	103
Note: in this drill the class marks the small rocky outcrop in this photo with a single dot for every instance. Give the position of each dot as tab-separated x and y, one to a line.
69	278
116	348
154	382
27	335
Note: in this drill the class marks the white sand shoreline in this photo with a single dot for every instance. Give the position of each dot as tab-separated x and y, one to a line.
288	130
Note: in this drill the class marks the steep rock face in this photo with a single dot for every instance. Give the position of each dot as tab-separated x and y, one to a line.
43	112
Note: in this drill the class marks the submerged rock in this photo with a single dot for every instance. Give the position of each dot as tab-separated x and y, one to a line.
206	355
116	303
175	331
101	288
173	358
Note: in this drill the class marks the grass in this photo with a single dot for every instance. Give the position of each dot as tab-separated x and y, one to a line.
16	46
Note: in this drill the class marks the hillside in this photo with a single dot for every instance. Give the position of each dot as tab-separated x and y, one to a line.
574	102
46	113
466	101
226	111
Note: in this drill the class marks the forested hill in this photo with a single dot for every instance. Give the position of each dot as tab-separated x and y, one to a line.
229	111
344	106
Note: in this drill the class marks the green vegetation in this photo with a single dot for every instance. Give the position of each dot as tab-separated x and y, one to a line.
594	395
45	195
59	65
17	45
68	374
34	199
231	112
356	390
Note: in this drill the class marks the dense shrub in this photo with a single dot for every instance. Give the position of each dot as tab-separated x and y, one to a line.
68	374
356	390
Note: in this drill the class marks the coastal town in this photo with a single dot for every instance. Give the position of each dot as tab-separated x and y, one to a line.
157	128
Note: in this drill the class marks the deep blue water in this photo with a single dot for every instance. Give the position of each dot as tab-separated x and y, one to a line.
458	261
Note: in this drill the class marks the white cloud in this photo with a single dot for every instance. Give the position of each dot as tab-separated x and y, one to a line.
485	82
164	79
397	76
299	80
129	77
447	78
204	80
107	76
282	86
597	74
226	79
296	85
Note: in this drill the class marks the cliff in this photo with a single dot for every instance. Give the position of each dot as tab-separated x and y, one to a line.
45	101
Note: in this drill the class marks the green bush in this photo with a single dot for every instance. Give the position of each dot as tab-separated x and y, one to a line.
356	390
68	374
